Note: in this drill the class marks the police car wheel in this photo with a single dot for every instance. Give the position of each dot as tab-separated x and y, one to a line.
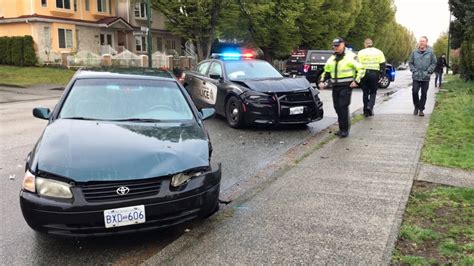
233	112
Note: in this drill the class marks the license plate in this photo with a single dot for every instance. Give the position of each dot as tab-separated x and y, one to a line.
296	110
124	216
314	67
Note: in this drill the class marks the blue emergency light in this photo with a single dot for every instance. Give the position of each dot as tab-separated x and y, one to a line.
231	55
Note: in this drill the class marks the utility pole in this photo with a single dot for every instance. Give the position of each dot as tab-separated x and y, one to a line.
449	49
149	39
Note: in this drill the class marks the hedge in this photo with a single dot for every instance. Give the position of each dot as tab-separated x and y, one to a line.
18	51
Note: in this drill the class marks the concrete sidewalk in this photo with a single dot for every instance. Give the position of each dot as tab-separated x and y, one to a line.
343	204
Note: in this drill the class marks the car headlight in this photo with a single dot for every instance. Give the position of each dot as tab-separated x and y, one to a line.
29	182
258	97
181	178
53	188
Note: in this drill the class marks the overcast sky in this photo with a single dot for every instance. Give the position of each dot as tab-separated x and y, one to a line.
424	17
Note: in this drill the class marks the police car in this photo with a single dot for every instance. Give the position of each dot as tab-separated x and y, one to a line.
248	91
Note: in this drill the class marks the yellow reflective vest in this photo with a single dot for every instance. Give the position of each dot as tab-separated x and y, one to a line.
342	72
371	58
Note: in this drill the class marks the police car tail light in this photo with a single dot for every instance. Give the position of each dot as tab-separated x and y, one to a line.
306	68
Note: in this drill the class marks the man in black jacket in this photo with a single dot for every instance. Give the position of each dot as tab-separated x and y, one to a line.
440	64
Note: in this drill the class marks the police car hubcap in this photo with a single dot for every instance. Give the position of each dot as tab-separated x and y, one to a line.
235	114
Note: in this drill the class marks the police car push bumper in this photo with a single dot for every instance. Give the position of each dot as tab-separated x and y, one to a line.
300	107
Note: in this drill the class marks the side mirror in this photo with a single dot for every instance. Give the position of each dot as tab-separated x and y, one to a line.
207	113
215	76
41	112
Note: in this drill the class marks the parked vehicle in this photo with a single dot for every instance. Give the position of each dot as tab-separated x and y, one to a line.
122	152
389	77
313	66
247	91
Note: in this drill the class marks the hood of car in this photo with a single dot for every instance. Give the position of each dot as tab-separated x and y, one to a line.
277	85
104	151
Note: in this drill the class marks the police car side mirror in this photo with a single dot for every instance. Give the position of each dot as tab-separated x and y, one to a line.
215	76
207	113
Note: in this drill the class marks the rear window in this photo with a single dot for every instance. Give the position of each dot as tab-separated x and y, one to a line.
319	57
297	59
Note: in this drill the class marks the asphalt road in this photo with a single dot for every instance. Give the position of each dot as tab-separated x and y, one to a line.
242	153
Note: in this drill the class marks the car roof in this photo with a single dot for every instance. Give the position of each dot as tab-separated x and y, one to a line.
130	73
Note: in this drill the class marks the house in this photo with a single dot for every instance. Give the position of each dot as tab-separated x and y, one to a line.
134	12
84	25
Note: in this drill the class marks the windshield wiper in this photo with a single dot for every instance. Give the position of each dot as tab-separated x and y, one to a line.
80	118
146	120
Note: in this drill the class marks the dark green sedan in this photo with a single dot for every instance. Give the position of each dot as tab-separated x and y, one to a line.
122	152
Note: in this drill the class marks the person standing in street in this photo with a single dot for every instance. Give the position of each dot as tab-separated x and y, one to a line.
440	64
422	63
343	72
373	61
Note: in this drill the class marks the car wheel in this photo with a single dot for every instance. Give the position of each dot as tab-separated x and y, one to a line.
384	82
234	113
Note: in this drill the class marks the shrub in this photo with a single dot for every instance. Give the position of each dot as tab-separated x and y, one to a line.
29	55
17	51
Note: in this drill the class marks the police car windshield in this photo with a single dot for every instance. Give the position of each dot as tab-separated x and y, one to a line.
250	69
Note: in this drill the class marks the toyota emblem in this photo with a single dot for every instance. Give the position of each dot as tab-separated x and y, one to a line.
122	191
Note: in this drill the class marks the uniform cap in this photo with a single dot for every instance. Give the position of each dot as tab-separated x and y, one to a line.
337	41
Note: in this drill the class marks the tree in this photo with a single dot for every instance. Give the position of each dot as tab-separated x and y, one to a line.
194	20
441	44
271	25
323	20
462	35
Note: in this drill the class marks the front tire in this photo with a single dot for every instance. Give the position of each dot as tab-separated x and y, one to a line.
234	113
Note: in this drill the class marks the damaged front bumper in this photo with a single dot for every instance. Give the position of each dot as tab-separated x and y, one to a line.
82	216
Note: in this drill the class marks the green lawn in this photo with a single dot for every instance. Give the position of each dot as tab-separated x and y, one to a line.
27	76
450	138
437	227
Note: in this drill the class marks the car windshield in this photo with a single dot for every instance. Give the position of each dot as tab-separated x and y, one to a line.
126	99
250	69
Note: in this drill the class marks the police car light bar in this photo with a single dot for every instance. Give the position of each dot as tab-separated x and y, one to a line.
233	56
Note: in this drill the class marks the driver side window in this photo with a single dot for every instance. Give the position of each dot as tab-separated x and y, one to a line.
215	69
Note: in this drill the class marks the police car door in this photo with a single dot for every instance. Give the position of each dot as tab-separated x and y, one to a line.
208	93
196	82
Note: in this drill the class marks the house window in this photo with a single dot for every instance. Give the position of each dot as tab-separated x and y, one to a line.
106	39
47	37
170	44
102	5
65	38
88	7
140	43
66	4
44	3
140	10
159	44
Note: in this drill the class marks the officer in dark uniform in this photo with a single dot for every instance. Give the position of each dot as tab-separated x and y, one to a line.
343	72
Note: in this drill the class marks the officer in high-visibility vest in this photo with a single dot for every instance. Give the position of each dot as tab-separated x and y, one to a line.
373	61
342	72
